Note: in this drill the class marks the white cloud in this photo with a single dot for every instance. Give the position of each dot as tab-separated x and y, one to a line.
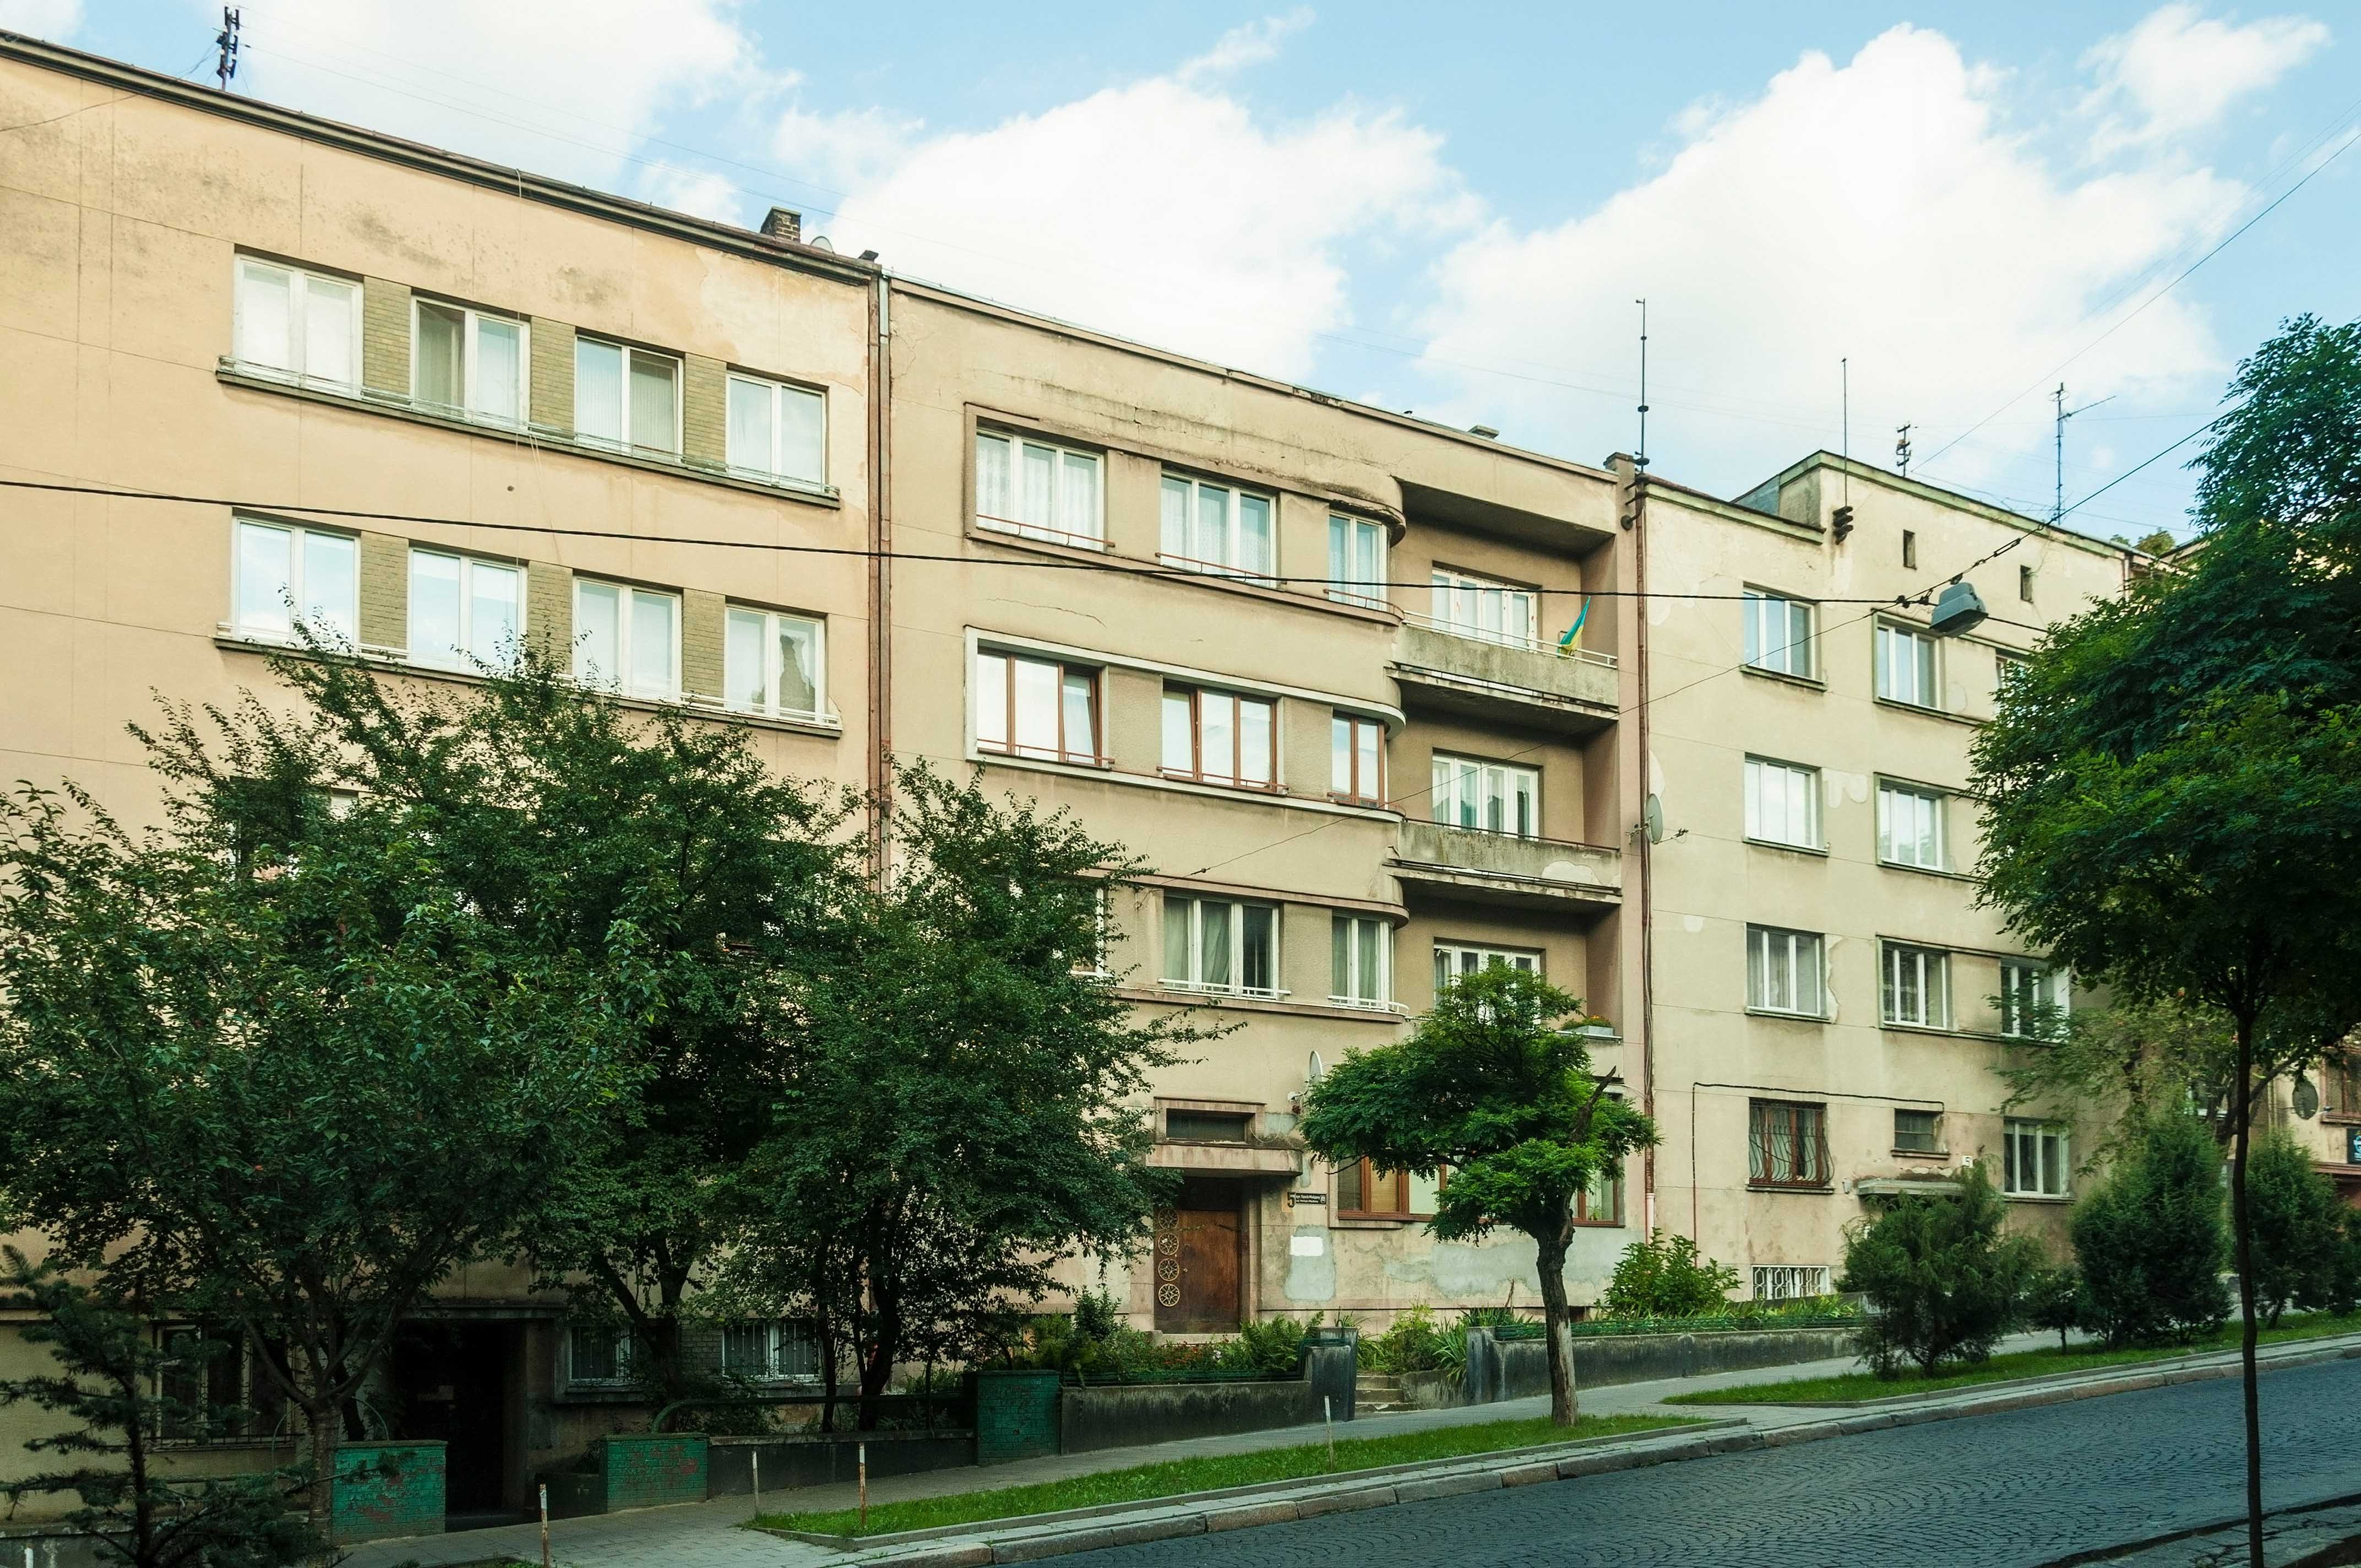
1250	43
2178	71
699	191
844	150
1881	211
52	19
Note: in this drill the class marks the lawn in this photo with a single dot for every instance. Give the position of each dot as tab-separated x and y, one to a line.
1856	1386
1142	1483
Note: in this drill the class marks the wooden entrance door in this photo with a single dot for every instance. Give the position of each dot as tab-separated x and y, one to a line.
1196	1253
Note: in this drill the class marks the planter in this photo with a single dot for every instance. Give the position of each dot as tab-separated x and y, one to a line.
1515	1369
631	1470
386	1489
1124	1415
1015	1415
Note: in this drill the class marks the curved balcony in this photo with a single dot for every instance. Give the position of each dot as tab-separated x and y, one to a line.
1475	865
1511	681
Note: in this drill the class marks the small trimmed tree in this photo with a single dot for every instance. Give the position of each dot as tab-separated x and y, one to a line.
1666	1276
2298	1225
1493	1087
2054	1299
2149	1237
1943	1282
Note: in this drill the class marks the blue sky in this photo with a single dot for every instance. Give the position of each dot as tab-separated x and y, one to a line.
1969	203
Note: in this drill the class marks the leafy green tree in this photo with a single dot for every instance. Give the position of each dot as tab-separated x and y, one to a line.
2149	1236
1494	1086
1666	1276
111	1377
2102	1070
1943	1282
960	1108
2298	1225
2173	785
2055	1299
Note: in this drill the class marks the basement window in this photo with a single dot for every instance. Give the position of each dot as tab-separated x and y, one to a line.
1206	1126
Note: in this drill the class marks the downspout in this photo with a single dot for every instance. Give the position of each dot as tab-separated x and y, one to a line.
1647	860
881	580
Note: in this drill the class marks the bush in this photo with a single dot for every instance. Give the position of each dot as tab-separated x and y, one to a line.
1942	1282
1273	1348
2298	1228
2151	1238
1414	1344
2054	1299
1664	1277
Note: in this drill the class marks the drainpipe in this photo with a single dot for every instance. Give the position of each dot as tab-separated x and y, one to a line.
1647	859
881	579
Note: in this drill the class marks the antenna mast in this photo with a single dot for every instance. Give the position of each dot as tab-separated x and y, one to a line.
1902	448
2058	499
225	66
1844	403
1640	459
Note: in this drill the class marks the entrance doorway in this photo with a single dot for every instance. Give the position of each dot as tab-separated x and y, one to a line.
1199	1249
450	1381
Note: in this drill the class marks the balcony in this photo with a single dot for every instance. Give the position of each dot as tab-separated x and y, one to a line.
1473	865
1509	681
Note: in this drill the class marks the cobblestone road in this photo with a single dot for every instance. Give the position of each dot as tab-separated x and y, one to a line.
2010	1490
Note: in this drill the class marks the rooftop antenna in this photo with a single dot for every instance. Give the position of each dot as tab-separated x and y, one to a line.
1902	448
2058	499
1641	461
225	40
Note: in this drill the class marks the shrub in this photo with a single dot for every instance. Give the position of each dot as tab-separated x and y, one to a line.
2054	1299
2151	1238
2298	1228
1273	1347
1664	1277
1412	1345
1942	1282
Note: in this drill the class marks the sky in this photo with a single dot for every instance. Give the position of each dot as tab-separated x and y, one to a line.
1844	217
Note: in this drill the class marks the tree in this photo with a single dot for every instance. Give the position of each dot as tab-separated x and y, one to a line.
2102	1070
2173	786
2055	1299
2298	1225
114	1381
1943	1283
1666	1276
2149	1236
267	1064
1493	1087
960	1104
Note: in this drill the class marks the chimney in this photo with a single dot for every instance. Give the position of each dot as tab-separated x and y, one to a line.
785	224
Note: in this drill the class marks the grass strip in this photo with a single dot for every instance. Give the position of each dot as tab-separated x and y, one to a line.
1853	1386
1172	1477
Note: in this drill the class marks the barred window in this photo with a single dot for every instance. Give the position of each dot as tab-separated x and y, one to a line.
1786	1144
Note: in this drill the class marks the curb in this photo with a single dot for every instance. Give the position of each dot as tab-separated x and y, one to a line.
2176	1368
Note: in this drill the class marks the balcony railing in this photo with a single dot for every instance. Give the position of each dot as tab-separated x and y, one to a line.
1506	639
1510	679
1476	863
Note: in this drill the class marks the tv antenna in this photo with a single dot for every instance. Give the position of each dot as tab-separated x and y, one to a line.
1639	460
2058	499
1902	448
225	40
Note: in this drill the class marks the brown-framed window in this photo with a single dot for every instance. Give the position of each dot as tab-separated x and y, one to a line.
1220	737
2340	1089
1601	1202
1356	760
1028	706
1365	1192
1786	1144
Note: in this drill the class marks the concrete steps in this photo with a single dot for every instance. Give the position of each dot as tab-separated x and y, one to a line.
1376	1393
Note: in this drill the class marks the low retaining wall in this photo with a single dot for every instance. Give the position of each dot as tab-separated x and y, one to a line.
386	1489
627	1470
824	1459
1515	1369
1126	1415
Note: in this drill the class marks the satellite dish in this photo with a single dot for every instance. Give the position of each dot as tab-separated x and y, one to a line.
1318	1069
1651	817
2307	1098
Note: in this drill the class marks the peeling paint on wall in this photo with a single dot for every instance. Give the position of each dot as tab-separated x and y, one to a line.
1311	1274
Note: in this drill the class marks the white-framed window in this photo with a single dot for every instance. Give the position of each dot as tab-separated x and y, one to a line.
627	639
1790	1281
1028	706
628	399
1039	491
1221	945
782	1350
465	613
2034	1159
464	361
301	324
1485	609
1211	527
1457	960
1910	826
597	1354
1360	960
1918	986
1357	561
775	664
1356	759
2027	992
1498	797
2008	667
1783	803
1783	972
1778	631
1906	666
1218	737
776	431
280	573
1919	1132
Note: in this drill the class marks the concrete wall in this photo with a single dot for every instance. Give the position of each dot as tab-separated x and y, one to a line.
1124	1417
1517	1369
819	1460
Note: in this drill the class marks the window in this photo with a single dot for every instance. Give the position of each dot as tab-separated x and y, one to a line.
2025	583
1790	1281
1357	561
1906	666
1365	1192
2034	1163
303	324
1918	986
2029	994
281	574
1919	1132
1495	797
597	1354
1215	527
1039	492
1361	960
2008	667
1909	550
1454	959
783	1350
1786	1144
202	1376
1206	1126
2340	1088
464	613
775	663
1218	737
1778	633
1213	944
1910	826
1600	1201
626	397
465	362
777	432
1783	803
1035	708
1485	609
1783	971
1356	753
627	639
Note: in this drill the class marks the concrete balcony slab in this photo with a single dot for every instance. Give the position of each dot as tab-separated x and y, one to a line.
1574	692
1472	865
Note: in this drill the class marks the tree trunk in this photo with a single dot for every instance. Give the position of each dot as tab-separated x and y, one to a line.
2243	1110
324	1429
1549	1254
877	1367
